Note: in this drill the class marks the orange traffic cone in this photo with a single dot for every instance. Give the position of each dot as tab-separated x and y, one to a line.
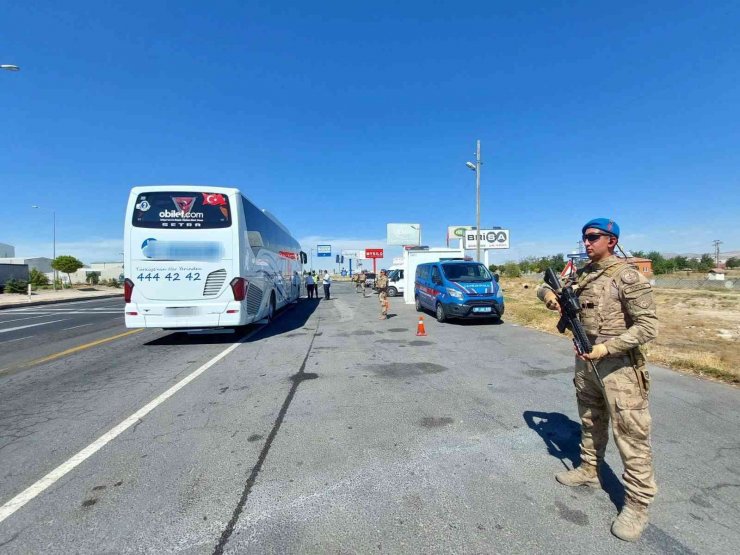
420	328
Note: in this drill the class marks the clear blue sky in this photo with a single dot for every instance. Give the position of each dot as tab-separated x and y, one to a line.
340	117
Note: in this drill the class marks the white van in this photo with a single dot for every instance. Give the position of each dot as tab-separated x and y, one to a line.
395	281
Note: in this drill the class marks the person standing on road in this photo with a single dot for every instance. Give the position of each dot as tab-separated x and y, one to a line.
327	284
618	315
360	285
381	284
310	286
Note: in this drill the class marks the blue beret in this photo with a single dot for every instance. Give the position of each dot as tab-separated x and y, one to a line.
604	224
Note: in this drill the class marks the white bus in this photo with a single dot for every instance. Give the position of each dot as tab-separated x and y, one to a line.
198	257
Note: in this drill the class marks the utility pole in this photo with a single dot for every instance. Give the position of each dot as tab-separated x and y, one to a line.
716	244
476	168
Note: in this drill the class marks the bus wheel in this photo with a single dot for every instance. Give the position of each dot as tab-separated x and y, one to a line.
271	309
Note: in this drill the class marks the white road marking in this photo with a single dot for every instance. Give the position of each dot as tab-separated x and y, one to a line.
32	491
75	327
21	319
32	325
16	339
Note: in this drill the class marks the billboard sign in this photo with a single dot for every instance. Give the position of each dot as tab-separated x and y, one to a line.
489	239
373	253
404	234
457	231
353	253
323	250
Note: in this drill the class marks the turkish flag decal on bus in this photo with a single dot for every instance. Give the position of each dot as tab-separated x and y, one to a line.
213	199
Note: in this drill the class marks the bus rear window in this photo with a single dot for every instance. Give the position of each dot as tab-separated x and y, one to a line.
182	210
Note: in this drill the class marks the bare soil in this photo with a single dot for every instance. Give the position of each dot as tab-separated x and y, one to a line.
699	330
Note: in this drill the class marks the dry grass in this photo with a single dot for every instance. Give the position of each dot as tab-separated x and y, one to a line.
699	330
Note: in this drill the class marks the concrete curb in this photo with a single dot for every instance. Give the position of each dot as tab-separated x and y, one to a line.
59	301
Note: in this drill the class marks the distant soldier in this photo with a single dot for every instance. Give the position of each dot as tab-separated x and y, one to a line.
360	285
618	315
381	284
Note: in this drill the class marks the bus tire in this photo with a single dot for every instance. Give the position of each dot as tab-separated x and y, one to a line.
271	309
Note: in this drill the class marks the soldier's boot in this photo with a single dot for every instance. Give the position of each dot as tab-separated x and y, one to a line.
631	522
584	475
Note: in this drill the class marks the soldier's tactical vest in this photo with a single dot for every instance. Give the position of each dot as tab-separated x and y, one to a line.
602	314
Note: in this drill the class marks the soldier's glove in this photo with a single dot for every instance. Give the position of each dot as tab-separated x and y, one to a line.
597	352
551	300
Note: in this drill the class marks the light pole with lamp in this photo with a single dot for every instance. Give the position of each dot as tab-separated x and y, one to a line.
476	168
54	242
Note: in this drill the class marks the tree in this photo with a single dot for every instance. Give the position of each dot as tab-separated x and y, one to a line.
16	286
733	262
706	262
511	269
66	264
37	279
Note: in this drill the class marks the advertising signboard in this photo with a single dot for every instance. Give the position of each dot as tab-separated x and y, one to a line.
489	239
353	253
457	231
404	234
323	250
373	253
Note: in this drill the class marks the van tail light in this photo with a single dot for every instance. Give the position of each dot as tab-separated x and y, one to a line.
128	289
239	288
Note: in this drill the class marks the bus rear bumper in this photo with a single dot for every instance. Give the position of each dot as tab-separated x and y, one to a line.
200	316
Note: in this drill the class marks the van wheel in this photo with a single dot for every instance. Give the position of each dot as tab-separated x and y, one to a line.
440	313
418	305
392	291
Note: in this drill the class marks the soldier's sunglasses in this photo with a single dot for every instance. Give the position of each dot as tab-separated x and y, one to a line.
593	237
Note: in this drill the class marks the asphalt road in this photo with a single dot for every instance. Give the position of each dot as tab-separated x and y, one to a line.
330	431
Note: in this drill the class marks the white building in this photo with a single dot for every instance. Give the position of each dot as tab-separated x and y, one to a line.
7	251
40	263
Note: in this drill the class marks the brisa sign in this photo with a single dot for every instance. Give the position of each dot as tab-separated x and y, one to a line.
489	239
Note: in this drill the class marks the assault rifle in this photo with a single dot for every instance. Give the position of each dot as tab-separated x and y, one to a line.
570	309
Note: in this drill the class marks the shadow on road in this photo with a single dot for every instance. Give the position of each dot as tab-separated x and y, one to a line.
562	437
288	319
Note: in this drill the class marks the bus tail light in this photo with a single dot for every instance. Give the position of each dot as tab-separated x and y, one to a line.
128	289
239	288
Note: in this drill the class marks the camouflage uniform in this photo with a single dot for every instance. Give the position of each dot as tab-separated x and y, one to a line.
381	284
618	310
360	284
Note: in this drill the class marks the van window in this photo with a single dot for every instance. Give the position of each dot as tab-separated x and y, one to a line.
422	272
466	272
436	276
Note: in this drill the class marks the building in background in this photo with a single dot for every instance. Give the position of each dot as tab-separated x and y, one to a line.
643	265
7	251
40	263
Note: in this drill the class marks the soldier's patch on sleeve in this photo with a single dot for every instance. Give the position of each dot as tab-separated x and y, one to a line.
645	301
630	289
630	276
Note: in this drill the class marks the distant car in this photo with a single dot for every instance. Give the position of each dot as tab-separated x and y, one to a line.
369	279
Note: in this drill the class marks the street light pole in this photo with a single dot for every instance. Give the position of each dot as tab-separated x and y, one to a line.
54	244
476	168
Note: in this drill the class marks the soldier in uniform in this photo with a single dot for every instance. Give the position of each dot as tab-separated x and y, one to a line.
360	284
381	284
618	315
